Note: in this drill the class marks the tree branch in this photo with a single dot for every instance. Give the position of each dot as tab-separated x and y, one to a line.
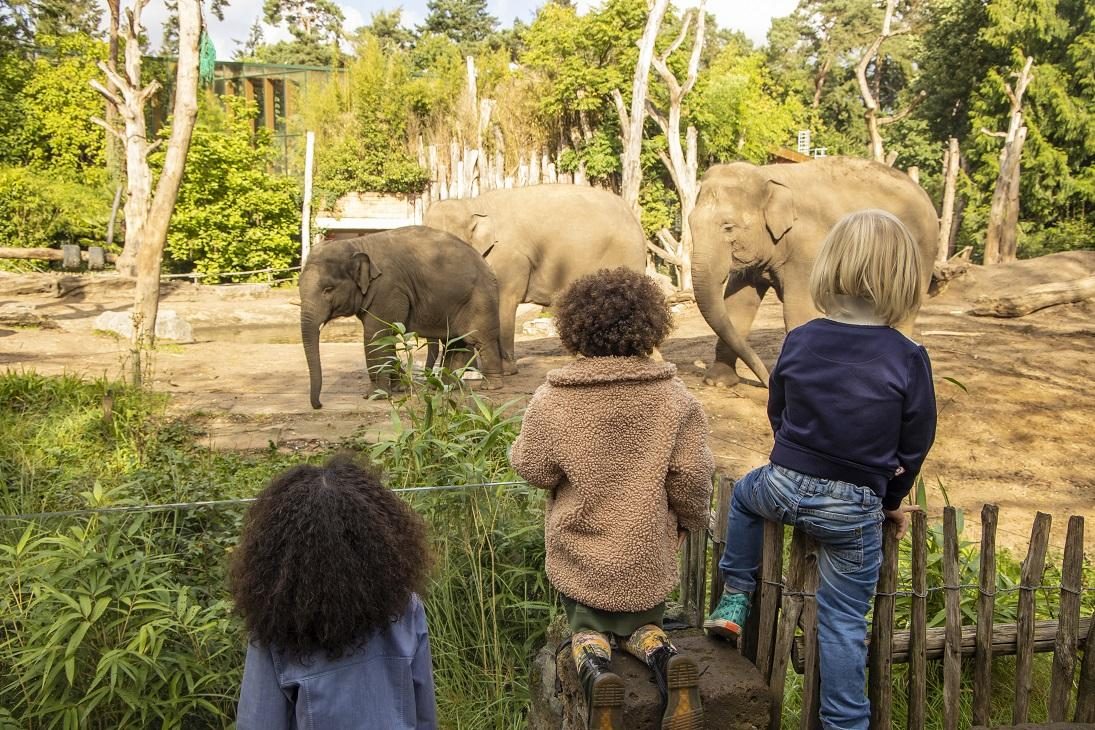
110	130
663	254
680	38
107	93
654	113
621	110
906	112
989	133
697	48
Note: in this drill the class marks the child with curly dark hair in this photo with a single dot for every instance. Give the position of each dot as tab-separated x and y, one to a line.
326	577
622	446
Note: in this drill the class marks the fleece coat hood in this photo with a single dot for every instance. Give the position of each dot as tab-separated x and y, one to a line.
622	446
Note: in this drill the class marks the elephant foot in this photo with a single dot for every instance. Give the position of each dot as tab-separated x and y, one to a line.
721	375
492	383
509	368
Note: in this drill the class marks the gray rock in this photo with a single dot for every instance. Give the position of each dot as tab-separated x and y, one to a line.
540	327
169	325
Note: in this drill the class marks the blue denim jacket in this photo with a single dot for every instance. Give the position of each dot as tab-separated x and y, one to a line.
386	685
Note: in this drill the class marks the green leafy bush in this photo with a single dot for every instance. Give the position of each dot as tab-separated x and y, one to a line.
40	208
232	213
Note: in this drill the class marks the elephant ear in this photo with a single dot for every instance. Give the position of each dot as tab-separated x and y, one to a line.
779	210
363	270
482	233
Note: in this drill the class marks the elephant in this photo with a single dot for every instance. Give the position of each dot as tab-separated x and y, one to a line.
539	239
430	281
756	228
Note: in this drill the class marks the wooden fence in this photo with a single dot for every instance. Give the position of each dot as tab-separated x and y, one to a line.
782	627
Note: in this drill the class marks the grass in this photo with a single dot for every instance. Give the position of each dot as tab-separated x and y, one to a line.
122	620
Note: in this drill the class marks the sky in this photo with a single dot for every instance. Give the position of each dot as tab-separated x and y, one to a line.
753	18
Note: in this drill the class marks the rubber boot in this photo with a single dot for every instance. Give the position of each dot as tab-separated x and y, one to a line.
679	682
604	690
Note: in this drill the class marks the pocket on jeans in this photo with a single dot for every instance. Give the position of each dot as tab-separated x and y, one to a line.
843	544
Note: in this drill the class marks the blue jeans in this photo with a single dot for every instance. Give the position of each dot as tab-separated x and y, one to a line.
847	522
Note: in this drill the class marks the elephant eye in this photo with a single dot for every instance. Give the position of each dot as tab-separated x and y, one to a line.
728	227
328	289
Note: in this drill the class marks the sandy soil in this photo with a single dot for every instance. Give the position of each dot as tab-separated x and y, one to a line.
1019	435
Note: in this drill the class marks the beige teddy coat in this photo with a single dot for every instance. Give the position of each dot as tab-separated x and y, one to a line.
622	445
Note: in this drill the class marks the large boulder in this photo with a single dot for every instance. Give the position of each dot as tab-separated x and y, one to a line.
733	692
169	325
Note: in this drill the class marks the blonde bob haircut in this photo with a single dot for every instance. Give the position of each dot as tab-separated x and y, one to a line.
871	255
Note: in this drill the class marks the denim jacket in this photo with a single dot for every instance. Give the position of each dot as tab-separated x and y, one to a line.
385	685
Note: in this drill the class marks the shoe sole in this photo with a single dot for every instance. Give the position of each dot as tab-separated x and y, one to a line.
723	629
606	703
683	708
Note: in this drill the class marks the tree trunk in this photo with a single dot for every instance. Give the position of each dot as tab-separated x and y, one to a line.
113	153
819	82
999	214
681	162
154	231
950	182
1035	298
631	128
1003	219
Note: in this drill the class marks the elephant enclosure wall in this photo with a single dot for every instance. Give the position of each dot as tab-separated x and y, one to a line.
1019	435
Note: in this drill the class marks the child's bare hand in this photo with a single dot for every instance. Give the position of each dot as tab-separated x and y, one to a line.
902	517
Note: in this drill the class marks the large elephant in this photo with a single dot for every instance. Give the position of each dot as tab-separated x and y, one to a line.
756	228
541	238
426	279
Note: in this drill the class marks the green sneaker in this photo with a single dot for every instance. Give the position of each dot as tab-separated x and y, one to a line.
729	616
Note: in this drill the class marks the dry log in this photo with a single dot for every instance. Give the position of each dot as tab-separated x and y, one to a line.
42	254
1003	641
1035	298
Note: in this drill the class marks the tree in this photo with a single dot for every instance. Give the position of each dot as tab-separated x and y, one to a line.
631	124
1001	236
248	49
148	212
316	27
387	27
465	22
680	162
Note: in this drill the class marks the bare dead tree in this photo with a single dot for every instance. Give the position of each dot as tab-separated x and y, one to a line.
870	98
680	161
1001	238
951	159
148	211
631	124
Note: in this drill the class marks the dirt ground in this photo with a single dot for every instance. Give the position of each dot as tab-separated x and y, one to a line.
1019	435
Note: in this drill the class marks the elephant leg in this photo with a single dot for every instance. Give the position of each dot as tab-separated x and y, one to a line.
508	301
742	302
798	309
382	359
433	348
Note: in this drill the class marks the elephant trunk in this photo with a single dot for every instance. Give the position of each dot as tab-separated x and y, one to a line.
709	289
309	335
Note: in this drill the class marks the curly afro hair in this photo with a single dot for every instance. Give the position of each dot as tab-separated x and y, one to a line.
328	555
617	312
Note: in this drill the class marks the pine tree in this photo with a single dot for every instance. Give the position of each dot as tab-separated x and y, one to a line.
466	22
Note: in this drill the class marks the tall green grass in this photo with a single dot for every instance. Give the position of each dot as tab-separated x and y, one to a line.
123	620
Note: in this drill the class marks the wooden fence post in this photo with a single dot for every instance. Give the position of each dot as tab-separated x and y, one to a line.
1033	567
724	491
952	648
771	575
986	604
918	693
789	614
810	718
880	667
1068	617
1085	693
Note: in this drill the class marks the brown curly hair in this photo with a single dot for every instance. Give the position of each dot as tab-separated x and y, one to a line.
617	312
328	555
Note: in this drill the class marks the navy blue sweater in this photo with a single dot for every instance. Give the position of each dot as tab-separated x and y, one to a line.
853	403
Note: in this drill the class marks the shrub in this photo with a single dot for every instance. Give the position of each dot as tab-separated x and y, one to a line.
232	213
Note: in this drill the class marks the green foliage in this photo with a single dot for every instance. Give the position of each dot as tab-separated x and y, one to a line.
42	209
316	27
739	110
465	22
59	103
370	152
232	214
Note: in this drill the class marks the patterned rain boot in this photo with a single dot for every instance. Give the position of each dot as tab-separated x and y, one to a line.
604	691
677	677
728	618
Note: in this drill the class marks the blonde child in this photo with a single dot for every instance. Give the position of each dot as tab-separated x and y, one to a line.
852	408
622	446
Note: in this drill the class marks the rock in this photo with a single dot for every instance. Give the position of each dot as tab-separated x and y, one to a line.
169	325
21	315
733	692
540	327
